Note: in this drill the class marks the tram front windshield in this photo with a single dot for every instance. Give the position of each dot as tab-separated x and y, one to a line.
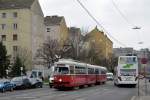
61	70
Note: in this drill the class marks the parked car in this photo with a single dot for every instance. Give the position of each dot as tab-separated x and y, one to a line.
51	77
6	85
110	76
51	81
36	82
21	82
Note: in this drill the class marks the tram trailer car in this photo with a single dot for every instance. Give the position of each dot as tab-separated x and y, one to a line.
75	74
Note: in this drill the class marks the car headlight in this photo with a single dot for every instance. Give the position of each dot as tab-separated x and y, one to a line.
1	85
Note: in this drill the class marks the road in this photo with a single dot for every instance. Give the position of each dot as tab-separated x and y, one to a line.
99	92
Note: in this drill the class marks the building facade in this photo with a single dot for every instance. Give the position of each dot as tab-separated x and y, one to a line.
123	51
75	38
56	28
21	28
100	42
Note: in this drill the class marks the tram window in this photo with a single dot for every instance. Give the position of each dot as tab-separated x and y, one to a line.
90	71
71	69
62	70
80	70
103	72
96	71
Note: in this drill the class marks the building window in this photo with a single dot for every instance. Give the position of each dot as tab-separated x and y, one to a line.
15	37
48	29
3	15
15	26
3	26
15	14
3	37
15	48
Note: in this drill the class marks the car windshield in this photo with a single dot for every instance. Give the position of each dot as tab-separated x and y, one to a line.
61	70
2	81
109	75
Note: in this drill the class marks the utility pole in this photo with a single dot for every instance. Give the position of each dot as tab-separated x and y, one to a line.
139	68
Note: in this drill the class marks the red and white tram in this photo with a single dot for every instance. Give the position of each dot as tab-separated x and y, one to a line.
76	74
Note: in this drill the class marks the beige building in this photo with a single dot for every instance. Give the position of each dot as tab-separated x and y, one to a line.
21	27
56	28
100	42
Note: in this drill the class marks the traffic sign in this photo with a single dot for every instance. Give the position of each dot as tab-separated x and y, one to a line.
144	60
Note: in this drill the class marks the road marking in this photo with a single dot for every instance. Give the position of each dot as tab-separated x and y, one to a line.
25	97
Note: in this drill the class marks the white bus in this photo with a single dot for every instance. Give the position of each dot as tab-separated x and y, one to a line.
126	71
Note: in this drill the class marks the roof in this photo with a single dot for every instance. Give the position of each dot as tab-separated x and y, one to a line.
74	30
53	20
15	4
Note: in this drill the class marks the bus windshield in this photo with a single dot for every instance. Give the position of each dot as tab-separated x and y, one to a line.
61	70
127	60
128	72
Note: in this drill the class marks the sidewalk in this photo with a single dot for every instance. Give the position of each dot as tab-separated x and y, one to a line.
141	98
143	95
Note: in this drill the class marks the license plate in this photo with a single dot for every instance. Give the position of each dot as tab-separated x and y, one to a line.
128	79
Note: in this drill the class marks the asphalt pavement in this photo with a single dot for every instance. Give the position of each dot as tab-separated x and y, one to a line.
98	92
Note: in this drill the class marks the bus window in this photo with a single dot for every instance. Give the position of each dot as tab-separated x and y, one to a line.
129	60
128	72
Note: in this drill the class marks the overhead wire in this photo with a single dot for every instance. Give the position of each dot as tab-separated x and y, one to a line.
126	19
97	22
121	13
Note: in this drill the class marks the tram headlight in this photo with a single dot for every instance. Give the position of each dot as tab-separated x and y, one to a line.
60	80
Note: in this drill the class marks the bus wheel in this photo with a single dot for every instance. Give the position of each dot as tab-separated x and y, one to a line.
115	84
134	85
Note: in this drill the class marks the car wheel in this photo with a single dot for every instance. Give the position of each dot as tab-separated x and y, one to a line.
11	89
41	86
50	86
37	85
3	90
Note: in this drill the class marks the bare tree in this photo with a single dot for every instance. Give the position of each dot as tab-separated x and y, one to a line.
51	51
24	55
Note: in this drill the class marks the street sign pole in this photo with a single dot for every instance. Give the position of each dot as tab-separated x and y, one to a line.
145	79
144	62
139	83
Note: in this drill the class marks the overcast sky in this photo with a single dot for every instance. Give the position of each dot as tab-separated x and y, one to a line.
136	12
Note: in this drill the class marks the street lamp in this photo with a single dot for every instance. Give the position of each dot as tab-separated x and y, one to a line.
7	73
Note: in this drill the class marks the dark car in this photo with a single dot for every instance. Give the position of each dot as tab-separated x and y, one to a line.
6	85
21	82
